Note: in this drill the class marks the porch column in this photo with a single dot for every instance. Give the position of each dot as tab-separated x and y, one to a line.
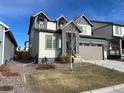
63	43
77	43
120	42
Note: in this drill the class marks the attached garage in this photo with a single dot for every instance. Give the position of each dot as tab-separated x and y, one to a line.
88	52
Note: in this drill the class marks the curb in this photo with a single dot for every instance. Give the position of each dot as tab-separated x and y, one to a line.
105	89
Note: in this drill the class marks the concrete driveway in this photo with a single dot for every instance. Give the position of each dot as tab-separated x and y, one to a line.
111	64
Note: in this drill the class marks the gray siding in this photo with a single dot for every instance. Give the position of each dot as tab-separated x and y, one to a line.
81	20
98	25
34	43
9	49
103	30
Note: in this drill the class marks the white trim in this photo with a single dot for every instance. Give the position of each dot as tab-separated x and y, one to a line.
1	23
85	17
61	17
70	23
42	13
66	24
3	45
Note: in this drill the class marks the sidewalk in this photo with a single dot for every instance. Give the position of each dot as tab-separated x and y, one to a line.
111	89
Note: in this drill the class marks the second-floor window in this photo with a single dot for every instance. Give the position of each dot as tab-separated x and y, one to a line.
41	23
118	30
84	29
51	42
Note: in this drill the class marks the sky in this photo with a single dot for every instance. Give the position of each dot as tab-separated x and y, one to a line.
16	13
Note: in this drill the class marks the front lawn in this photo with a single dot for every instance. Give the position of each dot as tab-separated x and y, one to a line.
83	77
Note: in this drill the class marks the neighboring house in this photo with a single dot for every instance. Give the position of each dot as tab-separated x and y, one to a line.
114	33
50	38
7	44
26	48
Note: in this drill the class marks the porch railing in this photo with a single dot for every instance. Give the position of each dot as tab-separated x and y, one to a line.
123	52
114	52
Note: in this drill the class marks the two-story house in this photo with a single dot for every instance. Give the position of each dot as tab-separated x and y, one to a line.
7	44
50	38
114	33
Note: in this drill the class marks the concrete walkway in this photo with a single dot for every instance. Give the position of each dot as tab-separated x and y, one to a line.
111	64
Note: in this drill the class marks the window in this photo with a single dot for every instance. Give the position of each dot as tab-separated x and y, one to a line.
51	42
118	30
51	25
84	29
41	23
54	42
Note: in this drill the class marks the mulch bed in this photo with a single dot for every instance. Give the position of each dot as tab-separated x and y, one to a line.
5	71
6	88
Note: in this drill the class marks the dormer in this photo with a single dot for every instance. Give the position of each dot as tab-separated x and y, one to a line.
61	21
42	21
84	24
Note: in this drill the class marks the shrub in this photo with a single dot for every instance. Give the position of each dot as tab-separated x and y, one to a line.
4	68
45	66
65	59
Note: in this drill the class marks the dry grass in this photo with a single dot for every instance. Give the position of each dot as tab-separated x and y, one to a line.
83	78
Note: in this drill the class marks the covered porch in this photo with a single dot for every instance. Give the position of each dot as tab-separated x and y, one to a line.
70	39
115	48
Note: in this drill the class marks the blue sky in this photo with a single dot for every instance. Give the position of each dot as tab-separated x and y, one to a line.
16	13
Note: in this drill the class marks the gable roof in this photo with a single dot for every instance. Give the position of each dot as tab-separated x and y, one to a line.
1	23
62	17
107	22
35	15
43	15
71	22
86	18
9	33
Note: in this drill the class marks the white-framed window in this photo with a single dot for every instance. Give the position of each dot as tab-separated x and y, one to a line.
118	30
84	29
51	42
51	25
41	24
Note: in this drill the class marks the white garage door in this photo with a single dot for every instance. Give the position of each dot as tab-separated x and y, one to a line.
91	52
